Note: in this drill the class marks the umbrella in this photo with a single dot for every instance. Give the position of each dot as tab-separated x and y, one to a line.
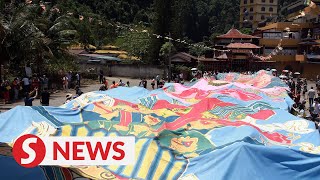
274	70
194	69
283	77
285	71
296	73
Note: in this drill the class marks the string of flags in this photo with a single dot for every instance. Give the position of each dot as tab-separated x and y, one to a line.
158	36
118	25
273	53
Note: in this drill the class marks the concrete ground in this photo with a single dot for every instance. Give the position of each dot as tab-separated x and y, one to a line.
58	98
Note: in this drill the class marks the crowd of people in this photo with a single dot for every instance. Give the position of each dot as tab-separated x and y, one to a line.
26	88
156	82
306	101
30	87
105	84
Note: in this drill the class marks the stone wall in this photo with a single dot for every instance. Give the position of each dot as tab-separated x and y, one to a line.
125	70
307	70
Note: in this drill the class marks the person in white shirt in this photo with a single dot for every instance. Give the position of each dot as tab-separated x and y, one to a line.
311	95
78	79
26	84
65	83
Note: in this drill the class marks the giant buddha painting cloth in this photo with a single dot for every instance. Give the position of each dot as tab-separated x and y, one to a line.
237	127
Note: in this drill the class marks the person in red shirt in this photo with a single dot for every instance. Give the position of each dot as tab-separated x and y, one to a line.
35	82
114	85
6	91
16	88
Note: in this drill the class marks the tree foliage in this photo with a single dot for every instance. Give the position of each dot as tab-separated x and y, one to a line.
33	35
198	50
42	35
135	43
167	49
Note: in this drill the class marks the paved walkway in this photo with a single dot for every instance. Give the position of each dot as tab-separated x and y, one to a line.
58	98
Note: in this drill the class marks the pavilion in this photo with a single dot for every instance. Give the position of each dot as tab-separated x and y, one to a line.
235	53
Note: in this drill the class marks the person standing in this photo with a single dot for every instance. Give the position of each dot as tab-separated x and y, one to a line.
158	81
44	82
45	97
69	76
145	83
315	111
311	95
141	83
101	74
78	79
153	83
26	84
128	84
28	100
16	88
181	76
297	98
65	83
305	89
35	82
6	91
293	86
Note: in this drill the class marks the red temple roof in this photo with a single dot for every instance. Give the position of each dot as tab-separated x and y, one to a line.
242	46
236	34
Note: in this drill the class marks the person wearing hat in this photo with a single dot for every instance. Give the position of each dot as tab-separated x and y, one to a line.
68	98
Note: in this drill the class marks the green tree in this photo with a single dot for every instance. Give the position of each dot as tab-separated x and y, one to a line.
246	31
198	49
167	49
136	43
31	36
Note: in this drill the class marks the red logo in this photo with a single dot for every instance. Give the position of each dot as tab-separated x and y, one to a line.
29	151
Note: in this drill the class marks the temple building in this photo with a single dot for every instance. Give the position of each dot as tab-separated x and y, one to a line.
301	11
235	52
289	35
299	36
255	11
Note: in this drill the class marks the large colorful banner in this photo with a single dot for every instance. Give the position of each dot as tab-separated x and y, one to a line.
237	127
